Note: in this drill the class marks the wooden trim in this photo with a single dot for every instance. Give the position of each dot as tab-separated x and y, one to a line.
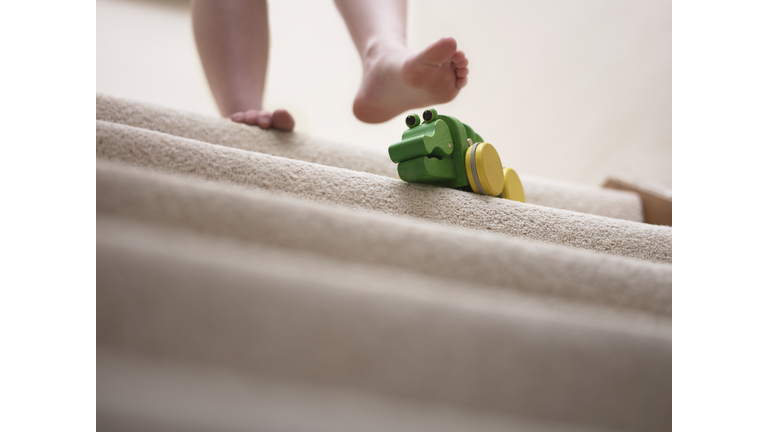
657	204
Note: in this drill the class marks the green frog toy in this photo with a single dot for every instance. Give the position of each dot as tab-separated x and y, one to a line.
443	151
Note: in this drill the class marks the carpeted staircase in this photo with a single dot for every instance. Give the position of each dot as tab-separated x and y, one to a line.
263	280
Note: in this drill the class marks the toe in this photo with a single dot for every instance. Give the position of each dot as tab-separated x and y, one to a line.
461	73
238	117
282	119
264	120
461	83
461	64
440	51
459	56
251	117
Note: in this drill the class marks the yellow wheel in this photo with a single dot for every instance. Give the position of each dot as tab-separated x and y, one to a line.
513	188
484	171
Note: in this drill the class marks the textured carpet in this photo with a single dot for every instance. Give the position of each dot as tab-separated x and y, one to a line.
261	280
591	200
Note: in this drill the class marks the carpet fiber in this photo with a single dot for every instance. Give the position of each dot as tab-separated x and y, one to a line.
239	269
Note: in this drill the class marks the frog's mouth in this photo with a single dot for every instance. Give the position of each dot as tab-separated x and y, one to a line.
417	147
425	154
418	161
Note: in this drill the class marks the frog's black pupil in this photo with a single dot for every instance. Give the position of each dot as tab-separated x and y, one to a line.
427	115
410	120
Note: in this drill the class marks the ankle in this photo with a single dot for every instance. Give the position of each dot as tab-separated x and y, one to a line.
378	48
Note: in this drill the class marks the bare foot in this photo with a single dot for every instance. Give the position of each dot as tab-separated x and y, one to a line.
395	79
280	119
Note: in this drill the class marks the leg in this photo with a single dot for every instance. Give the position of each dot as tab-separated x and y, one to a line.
233	41
395	78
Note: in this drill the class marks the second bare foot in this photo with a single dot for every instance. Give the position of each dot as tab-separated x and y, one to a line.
279	119
396	79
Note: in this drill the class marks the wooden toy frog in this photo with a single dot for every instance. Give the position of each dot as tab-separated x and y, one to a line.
443	151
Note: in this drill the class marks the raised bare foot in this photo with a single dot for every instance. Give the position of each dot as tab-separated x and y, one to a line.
396	79
279	119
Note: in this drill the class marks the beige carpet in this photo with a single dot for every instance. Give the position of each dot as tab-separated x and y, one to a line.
260	280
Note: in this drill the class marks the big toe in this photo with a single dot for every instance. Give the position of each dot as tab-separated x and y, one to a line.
283	120
440	51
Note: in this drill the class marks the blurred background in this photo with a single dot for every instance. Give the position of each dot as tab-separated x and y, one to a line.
564	89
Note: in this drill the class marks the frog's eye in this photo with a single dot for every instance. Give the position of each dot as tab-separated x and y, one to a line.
430	115
412	120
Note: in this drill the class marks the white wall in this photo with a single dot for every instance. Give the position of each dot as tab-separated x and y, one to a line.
575	90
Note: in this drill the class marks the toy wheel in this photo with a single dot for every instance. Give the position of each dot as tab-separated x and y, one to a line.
513	187
484	170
